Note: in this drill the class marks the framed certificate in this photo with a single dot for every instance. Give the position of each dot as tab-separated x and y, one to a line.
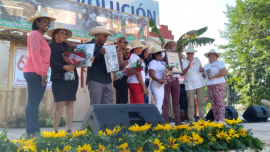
89	52
111	58
173	59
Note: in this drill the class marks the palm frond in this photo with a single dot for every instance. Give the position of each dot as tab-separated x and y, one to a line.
199	32
156	31
194	33
198	41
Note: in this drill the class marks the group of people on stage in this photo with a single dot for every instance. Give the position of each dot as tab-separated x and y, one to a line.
41	55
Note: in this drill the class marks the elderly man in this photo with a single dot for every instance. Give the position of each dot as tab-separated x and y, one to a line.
194	83
98	80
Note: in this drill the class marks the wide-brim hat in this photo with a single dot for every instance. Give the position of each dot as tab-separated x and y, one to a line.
167	43
212	51
136	44
190	49
155	49
147	44
40	14
99	30
58	27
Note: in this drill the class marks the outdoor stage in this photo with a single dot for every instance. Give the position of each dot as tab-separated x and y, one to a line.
260	130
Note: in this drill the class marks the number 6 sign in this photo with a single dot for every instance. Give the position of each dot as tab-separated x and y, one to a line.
19	60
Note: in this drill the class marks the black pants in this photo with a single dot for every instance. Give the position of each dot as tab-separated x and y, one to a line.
121	88
146	98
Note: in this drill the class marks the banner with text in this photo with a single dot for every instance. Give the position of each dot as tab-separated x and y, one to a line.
19	60
77	17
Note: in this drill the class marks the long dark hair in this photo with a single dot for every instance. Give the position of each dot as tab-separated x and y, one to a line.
34	25
153	57
66	45
145	60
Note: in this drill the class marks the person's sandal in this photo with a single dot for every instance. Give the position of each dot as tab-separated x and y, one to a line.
56	132
69	132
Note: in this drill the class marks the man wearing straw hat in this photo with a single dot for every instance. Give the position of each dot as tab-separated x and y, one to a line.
194	83
98	80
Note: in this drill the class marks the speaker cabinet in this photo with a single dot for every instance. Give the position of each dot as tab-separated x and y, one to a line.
105	116
256	113
230	113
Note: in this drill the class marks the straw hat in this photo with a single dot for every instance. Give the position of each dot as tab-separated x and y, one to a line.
167	43
212	51
190	49
155	49
59	26
136	44
100	30
40	14
147	44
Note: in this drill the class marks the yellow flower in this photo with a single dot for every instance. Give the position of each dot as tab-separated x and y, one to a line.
146	127
233	133
85	148
222	134
109	132
60	134
184	126
242	132
101	133
158	127
66	148
5	140
120	139
158	147
213	139
163	127
228	138
167	127
197	127
26	144
47	150
140	149
219	125
233	122
57	149
172	144
117	129
134	128
101	148
197	138
123	147
185	139
78	133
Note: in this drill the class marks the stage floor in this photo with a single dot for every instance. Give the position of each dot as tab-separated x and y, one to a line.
260	130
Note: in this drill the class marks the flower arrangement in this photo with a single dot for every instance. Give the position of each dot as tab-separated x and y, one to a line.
131	69
203	136
168	75
73	58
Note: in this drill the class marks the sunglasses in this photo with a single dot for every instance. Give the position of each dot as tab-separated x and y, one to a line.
125	42
63	32
190	53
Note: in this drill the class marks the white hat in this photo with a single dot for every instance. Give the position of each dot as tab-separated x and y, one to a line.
190	49
136	44
155	49
147	44
40	14
100	30
59	26
211	51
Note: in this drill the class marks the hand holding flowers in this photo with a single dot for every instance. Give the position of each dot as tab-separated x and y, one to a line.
167	76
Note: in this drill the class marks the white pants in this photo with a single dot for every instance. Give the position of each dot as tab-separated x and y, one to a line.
158	93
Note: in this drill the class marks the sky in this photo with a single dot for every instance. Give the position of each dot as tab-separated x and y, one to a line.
182	16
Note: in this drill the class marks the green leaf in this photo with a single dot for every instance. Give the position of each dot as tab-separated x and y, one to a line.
155	30
199	41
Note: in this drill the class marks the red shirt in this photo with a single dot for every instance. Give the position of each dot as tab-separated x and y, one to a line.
38	54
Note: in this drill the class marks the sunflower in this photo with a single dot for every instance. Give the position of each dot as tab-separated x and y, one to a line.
197	138
140	149
179	127
163	127
26	144
47	150
167	127
213	139
61	134
158	147
101	148
197	127
101	133
123	147
233	122
158	127
66	148
57	149
85	148
120	139
134	128
242	132
228	138
146	127
171	144
117	129
109	132
78	133
185	139
222	134
233	133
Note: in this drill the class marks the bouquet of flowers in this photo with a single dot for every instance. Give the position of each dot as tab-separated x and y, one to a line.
73	58
131	69
168	75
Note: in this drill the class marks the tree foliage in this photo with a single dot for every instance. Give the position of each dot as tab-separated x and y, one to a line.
249	43
189	38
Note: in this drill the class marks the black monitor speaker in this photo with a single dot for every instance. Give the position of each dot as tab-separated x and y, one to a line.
230	113
108	116
256	113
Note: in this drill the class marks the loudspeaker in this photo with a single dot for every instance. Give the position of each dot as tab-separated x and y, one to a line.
105	116
256	113
230	113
